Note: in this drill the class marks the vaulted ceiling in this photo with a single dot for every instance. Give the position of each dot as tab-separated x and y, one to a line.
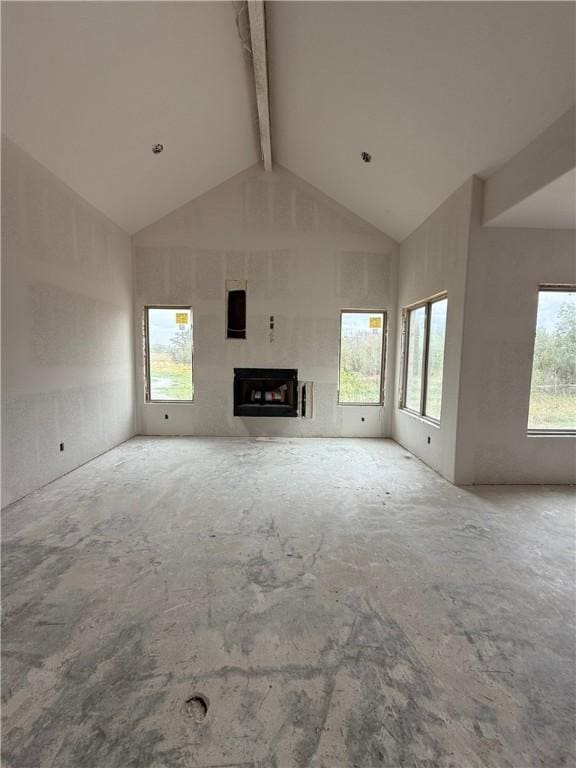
89	87
433	91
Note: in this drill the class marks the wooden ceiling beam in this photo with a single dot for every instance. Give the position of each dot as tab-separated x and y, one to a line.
257	19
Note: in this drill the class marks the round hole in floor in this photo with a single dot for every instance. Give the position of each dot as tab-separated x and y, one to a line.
196	707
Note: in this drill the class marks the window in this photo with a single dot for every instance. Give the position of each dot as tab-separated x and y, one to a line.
361	357
168	337
424	337
415	355
553	386
435	359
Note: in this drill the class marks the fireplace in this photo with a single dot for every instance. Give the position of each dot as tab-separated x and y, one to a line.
266	392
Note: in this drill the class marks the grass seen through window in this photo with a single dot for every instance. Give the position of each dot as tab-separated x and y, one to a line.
169	347
361	345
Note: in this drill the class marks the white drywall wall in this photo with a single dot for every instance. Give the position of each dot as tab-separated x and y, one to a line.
433	259
551	207
527	175
505	269
304	259
67	337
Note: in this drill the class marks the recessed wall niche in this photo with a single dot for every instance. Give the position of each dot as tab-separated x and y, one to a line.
235	309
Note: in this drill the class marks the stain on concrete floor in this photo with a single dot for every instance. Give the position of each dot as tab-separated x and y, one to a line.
336	605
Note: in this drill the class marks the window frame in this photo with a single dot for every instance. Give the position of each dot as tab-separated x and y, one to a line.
382	388
427	304
539	431
147	388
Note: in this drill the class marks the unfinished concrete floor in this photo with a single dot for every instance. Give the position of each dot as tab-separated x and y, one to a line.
336	602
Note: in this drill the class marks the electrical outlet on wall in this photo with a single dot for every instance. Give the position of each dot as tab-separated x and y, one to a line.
306	399
271	333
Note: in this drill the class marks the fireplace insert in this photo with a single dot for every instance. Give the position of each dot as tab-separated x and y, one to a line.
266	392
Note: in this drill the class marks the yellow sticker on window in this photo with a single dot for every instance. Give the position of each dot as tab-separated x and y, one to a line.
375	322
181	318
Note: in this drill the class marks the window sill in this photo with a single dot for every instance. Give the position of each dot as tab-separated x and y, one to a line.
551	433
418	417
360	405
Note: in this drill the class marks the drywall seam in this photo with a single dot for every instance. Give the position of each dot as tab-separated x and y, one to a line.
67	332
433	259
304	258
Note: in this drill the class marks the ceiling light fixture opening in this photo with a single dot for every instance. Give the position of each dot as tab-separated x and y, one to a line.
157	148
366	156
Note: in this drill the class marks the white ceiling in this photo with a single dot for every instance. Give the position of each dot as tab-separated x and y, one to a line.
551	207
89	87
434	91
